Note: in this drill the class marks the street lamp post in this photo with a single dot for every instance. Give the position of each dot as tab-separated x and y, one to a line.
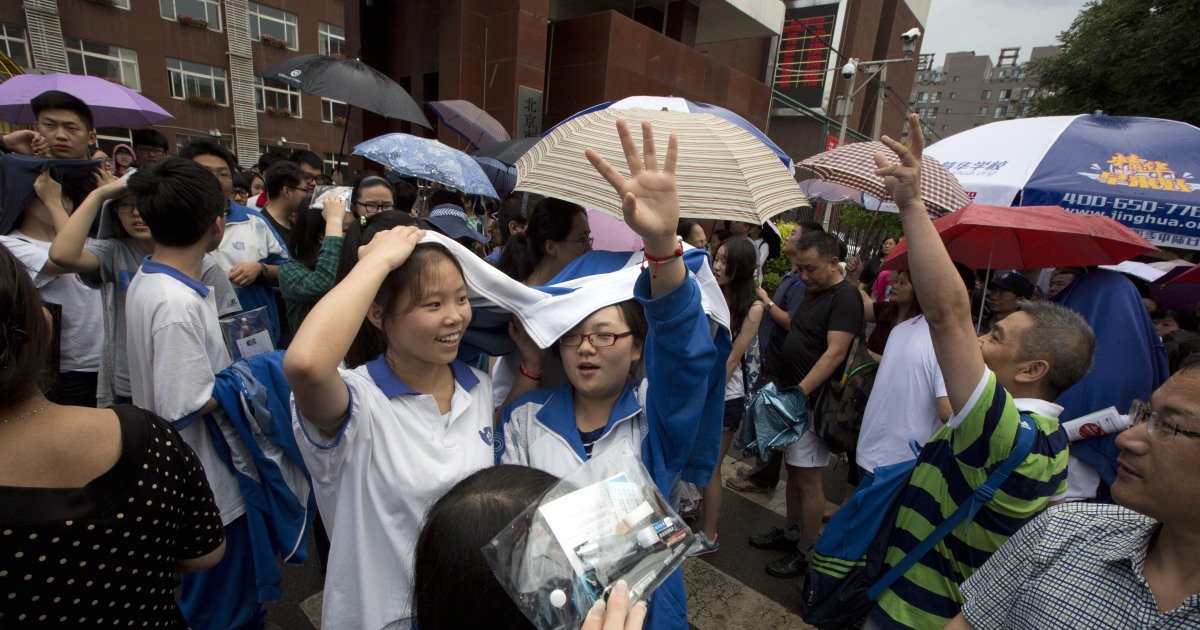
878	70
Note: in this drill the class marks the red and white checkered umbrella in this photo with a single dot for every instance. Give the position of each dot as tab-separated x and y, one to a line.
853	165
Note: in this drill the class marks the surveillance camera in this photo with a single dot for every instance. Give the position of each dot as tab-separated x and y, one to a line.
911	35
848	70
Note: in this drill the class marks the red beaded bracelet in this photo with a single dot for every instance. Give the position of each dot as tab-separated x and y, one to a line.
529	374
657	262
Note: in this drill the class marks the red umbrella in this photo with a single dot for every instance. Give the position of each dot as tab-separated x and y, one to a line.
853	165
1033	237
1191	276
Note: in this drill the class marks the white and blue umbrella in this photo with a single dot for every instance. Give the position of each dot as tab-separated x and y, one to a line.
428	159
1143	172
676	104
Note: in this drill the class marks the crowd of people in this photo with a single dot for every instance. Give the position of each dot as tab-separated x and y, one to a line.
425	424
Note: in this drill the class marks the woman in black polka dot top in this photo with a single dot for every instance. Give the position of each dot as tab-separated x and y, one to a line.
98	508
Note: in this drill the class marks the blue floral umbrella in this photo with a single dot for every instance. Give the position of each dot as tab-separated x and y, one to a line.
428	159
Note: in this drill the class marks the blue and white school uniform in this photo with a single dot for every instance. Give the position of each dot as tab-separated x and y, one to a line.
376	479
661	415
250	238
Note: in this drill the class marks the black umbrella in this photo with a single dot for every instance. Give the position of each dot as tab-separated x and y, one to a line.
351	81
508	151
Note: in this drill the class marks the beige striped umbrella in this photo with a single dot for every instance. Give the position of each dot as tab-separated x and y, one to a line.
723	171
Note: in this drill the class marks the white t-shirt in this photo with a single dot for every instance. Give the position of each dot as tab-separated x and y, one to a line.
175	350
903	401
248	238
376	479
82	336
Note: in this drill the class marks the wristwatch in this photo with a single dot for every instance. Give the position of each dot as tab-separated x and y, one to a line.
262	270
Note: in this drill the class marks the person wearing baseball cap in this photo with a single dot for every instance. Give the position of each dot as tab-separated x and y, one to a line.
446	215
1004	291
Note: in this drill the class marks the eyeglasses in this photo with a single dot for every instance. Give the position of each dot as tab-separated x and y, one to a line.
126	208
153	151
1158	427
598	340
307	191
584	240
372	207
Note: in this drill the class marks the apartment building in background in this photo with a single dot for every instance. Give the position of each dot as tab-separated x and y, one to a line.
968	90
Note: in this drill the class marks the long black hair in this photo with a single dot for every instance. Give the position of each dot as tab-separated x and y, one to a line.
305	243
449	562
741	261
551	220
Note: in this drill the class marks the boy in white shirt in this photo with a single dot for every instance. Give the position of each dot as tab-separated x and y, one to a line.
175	350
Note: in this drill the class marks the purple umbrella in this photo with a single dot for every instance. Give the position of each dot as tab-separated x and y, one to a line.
470	122
112	104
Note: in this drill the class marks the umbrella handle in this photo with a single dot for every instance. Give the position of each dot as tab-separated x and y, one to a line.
345	129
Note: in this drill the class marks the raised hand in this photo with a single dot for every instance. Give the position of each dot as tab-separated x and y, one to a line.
649	199
334	210
391	248
904	180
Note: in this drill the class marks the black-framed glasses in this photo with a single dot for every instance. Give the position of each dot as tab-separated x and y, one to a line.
583	240
1157	426
126	208
597	339
375	207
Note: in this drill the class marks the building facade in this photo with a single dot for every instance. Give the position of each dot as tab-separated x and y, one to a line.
195	58
968	90
528	63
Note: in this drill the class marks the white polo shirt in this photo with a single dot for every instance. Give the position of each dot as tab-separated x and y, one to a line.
175	350
377	478
248	238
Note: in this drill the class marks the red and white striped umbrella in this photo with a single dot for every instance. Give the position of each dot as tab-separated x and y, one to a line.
853	165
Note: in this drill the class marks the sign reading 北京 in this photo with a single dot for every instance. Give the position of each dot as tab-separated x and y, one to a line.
529	112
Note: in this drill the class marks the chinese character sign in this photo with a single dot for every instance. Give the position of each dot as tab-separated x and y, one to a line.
529	112
1136	172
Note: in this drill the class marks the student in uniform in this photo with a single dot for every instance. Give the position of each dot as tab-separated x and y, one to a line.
558	429
384	440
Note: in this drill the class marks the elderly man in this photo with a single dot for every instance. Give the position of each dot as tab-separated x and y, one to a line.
995	384
1131	565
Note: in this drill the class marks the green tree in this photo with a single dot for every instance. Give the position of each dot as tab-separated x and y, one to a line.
1127	58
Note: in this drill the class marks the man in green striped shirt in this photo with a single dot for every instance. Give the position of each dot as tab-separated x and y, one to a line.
1018	368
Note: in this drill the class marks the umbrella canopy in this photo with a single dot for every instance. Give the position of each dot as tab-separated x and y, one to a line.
822	190
676	104
470	122
350	81
428	159
1190	275
502	176
112	104
853	165
1178	288
1002	237
723	171
508	151
1140	171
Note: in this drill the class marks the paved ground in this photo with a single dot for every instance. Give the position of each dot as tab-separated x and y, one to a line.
727	590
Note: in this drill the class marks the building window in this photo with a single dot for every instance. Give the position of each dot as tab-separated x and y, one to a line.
273	24
336	162
1001	112
928	128
199	10
109	137
945	127
987	94
983	111
952	96
956	79
332	111
13	44
331	39
276	98
1005	95
937	97
948	111
198	82
1003	74
923	97
1026	94
101	60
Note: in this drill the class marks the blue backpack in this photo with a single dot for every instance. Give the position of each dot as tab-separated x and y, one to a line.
843	580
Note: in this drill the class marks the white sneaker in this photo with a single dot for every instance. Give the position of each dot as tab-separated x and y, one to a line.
703	545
